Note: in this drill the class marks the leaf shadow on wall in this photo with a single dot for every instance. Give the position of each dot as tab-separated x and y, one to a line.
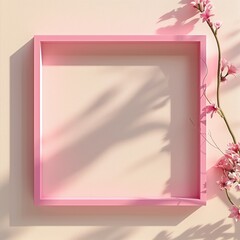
23	212
183	24
213	191
122	126
217	230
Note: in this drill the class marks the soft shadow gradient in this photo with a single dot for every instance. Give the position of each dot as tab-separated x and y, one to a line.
218	230
23	212
182	17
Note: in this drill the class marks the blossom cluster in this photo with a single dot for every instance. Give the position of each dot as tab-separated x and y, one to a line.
205	8
229	164
230	167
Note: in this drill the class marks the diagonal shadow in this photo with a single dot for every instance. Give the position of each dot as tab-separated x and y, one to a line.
182	17
23	212
213	191
223	198
107	135
218	230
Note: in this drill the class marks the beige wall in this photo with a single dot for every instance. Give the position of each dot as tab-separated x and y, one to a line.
19	21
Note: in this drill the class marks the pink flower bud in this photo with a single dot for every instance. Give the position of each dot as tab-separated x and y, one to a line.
217	24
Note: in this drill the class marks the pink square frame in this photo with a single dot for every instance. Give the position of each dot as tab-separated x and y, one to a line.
174	201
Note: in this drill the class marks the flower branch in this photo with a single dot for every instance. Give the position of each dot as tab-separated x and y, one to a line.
230	161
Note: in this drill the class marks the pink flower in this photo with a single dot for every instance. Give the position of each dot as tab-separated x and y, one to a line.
224	164
237	187
232	69
232	157
233	176
207	14
210	109
235	147
217	25
227	68
225	183
235	213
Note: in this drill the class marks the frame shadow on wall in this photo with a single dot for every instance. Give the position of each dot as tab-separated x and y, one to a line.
23	212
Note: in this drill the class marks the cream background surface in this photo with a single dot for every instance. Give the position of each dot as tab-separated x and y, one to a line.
19	21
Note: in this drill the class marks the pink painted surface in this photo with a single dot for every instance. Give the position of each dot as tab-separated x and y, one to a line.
55	174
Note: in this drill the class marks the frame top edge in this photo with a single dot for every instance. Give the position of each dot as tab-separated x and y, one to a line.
115	38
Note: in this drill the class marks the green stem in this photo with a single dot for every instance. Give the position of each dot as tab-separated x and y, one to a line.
218	92
219	82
